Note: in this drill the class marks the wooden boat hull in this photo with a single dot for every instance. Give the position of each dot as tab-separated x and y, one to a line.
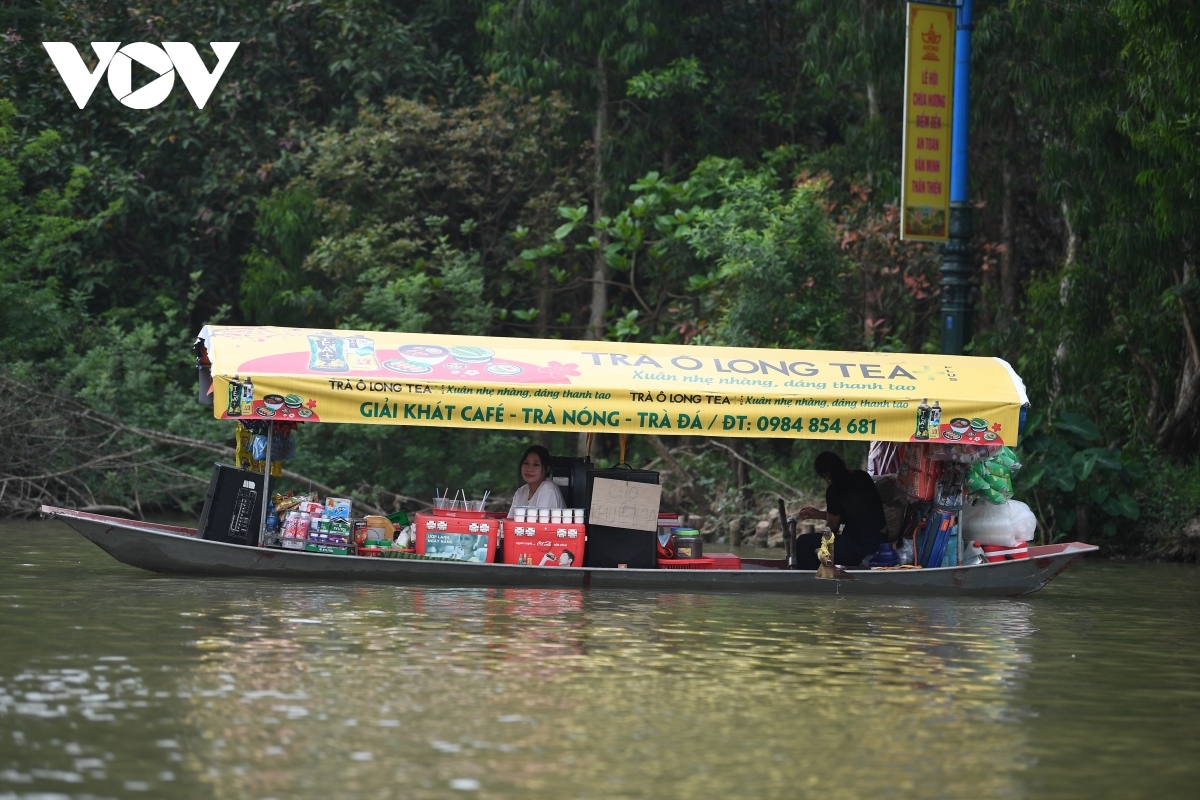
176	550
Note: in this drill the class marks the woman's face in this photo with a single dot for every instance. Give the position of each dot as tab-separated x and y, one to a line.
532	470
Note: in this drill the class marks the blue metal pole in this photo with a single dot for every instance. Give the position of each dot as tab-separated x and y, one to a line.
962	103
956	270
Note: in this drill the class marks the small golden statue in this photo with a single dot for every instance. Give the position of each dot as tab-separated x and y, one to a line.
828	569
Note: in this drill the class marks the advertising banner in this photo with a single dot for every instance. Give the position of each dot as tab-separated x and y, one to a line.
379	378
928	92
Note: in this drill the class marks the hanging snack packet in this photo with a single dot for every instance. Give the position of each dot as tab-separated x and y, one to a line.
976	483
1008	458
994	497
995	468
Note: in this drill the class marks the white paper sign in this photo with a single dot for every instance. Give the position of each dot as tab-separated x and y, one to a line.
625	504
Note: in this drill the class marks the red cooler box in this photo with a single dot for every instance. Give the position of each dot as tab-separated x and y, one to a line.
460	535
725	561
544	544
994	552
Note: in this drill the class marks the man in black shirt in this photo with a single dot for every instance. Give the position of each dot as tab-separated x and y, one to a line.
852	500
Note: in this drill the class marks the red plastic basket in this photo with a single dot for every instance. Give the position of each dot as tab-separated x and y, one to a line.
685	563
370	552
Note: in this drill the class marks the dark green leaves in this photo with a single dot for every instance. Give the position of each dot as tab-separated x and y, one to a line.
1082	428
1063	465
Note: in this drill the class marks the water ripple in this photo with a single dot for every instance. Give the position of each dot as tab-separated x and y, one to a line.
354	691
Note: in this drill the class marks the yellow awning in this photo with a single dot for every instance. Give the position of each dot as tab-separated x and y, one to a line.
380	378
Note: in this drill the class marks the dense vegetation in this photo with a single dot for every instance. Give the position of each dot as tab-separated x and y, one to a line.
704	172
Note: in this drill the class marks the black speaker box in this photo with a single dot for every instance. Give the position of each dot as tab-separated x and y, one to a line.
233	506
571	476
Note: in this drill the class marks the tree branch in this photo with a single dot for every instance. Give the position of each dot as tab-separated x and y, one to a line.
755	467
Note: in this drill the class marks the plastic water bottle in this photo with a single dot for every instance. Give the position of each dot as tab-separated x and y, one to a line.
950	556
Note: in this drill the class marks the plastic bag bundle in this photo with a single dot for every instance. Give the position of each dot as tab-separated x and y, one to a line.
883	459
283	447
1005	524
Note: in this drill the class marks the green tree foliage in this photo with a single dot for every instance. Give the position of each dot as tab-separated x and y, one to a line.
42	227
189	179
1067	459
775	265
1105	330
414	218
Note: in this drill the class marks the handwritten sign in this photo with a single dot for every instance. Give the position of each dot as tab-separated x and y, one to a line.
625	504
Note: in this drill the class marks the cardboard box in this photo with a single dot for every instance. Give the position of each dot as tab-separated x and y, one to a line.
337	508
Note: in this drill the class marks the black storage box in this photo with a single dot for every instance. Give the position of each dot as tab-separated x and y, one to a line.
233	506
612	547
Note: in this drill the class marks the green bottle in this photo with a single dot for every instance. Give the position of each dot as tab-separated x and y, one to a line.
923	420
235	398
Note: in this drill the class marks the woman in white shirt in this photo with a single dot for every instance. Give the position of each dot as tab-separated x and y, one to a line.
539	489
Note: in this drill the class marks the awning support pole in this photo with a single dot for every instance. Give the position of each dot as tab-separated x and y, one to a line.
266	498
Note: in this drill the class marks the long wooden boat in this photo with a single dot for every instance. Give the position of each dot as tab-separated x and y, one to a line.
177	550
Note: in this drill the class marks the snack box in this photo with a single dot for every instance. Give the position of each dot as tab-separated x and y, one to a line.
328	549
458	538
544	544
337	507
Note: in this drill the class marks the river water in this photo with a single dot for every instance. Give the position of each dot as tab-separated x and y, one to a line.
119	683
